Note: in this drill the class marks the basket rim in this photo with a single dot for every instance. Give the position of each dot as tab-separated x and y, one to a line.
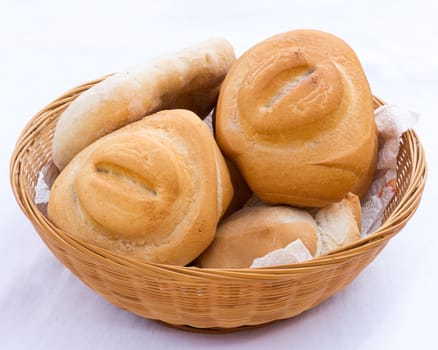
398	218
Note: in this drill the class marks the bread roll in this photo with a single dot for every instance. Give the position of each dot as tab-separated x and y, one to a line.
189	79
154	189
295	114
339	224
255	232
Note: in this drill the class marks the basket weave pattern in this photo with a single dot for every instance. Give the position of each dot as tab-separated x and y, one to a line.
213	299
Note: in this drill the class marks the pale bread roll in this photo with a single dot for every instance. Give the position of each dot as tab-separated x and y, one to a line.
339	224
252	232
295	114
154	189
189	79
255	232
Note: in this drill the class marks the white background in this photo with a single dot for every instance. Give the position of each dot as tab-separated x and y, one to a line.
47	48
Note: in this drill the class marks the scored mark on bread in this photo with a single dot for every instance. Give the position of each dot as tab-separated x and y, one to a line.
125	175
287	88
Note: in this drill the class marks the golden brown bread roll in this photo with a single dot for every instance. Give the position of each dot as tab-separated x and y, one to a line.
255	231
189	79
154	189
295	114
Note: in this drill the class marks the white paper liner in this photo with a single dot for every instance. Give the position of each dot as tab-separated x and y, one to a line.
42	191
294	252
46	177
391	122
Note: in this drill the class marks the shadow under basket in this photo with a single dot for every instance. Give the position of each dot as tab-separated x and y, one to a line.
210	300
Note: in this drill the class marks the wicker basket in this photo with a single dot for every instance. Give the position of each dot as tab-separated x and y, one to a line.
214	300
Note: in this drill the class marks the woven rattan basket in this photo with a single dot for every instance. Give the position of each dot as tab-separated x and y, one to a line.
213	300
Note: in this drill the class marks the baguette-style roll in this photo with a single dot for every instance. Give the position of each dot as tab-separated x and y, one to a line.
154	189
189	79
254	235
295	114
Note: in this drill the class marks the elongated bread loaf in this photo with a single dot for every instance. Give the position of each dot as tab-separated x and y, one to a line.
189	79
154	189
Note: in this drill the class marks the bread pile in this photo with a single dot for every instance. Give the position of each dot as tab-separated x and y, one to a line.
142	175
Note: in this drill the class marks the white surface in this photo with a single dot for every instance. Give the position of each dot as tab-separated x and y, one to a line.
47	48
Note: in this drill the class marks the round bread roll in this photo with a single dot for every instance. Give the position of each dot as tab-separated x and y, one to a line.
255	232
295	114
252	232
154	189
189	79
